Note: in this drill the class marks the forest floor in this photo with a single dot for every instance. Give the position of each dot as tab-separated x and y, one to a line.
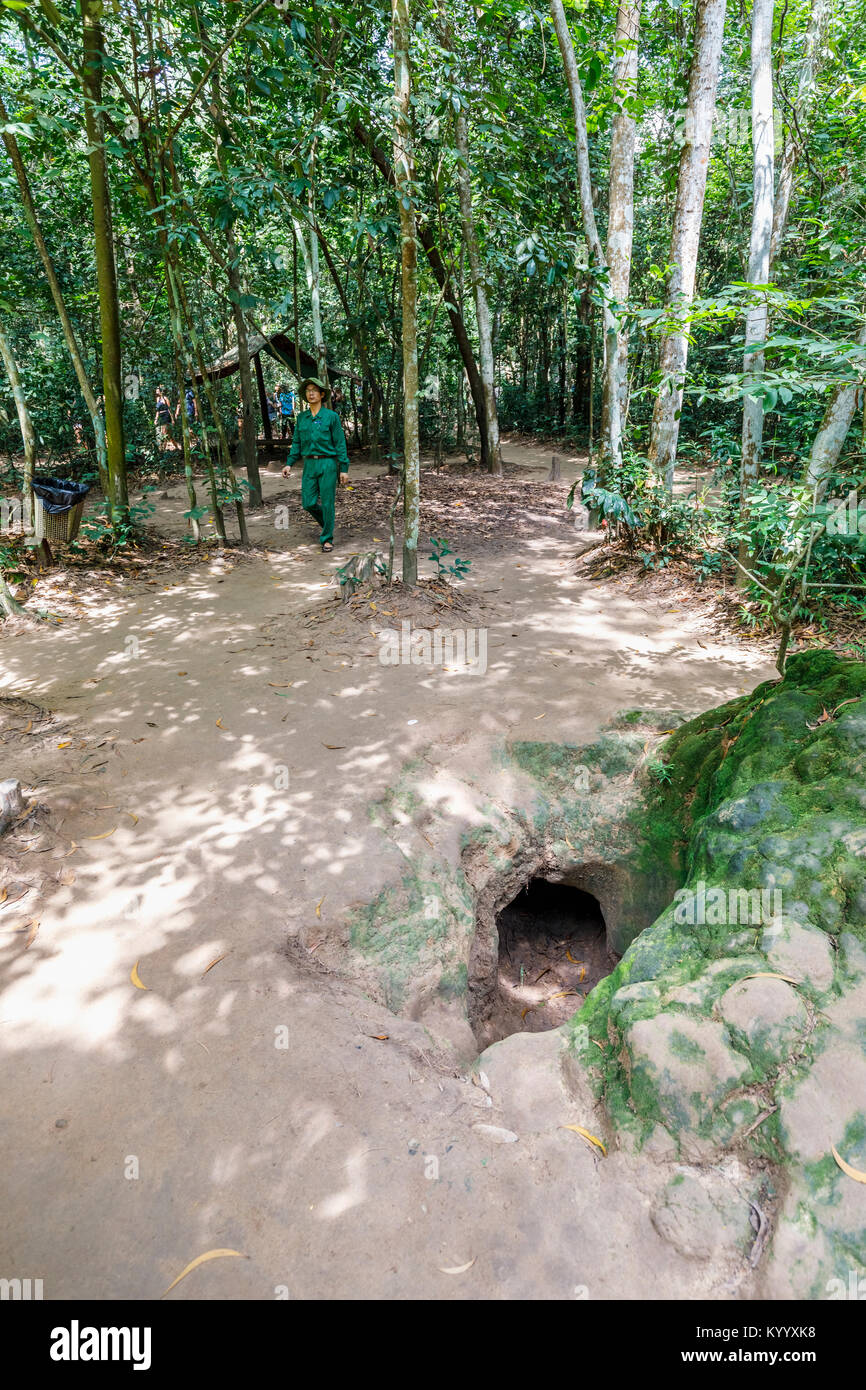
202	737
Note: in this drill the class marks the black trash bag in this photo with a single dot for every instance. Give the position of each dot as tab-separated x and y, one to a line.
59	495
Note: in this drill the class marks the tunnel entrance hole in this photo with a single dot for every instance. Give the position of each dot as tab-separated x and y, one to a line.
553	950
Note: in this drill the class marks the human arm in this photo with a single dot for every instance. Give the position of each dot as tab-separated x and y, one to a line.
295	451
338	438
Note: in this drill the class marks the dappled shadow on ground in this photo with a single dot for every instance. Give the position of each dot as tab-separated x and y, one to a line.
208	782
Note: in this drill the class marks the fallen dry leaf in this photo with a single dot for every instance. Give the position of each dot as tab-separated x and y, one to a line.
136	978
200	1260
380	1037
846	1168
105	834
457	1269
770	975
319	904
585	1134
216	960
33	924
333	746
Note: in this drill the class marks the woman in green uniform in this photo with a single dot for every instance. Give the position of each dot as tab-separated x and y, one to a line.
321	444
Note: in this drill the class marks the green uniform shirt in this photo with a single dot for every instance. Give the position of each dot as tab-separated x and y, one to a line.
320	436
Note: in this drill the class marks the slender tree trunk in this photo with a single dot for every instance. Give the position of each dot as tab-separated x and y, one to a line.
828	442
316	300
404	173
545	366
249	433
763	141
803	101
181	305
149	175
620	229
686	232
311	266
356	332
482	309
563	361
249	451
591	420
96	420
106	270
28	434
295	303
185	432
460	415
443	280
611	452
9	605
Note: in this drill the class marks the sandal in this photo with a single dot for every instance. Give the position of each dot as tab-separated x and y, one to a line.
326	545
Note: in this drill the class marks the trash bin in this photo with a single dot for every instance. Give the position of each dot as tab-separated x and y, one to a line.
58	510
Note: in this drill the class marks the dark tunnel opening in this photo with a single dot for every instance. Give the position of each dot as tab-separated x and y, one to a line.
552	951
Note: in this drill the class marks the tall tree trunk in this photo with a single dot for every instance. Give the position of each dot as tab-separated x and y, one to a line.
580	385
443	280
69	336
611	451
460	415
803	101
248	442
620	227
249	433
686	232
404	174
544	366
310	254
296	329
563	361
106	270
837	421
356	331
491	454
591	420
316	300
28	434
482	309
763	141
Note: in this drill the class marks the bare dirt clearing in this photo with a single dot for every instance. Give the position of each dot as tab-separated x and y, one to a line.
212	751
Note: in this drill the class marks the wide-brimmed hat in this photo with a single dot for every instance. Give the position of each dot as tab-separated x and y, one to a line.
313	381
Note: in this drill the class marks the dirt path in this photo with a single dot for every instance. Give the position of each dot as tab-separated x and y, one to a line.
216	741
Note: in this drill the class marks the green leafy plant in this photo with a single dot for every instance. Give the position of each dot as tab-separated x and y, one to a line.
660	771
458	569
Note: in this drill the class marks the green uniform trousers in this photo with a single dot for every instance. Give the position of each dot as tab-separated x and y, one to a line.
319	493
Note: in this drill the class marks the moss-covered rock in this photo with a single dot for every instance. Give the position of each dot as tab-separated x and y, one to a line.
761	806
